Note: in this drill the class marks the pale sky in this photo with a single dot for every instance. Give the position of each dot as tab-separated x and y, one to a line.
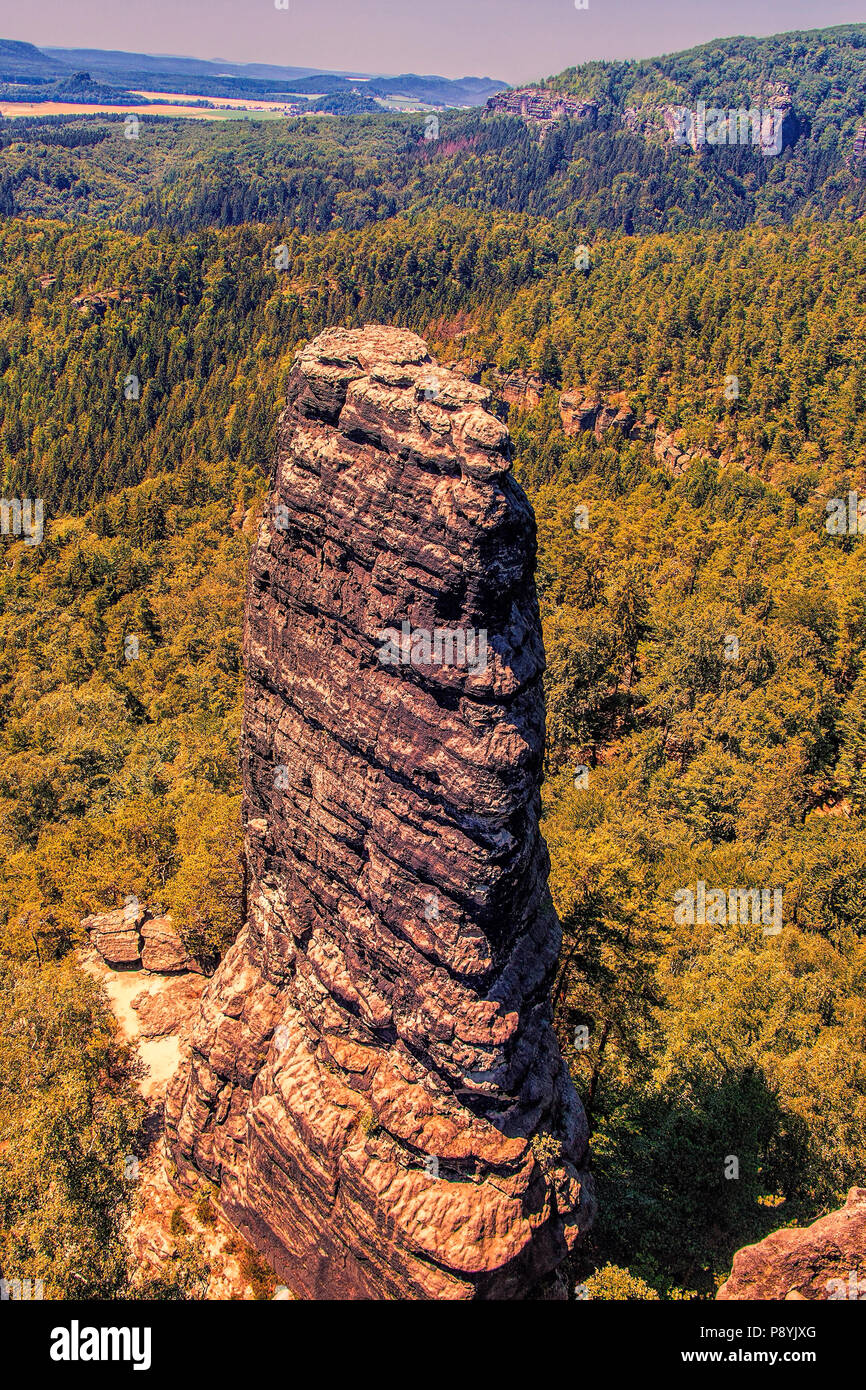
516	40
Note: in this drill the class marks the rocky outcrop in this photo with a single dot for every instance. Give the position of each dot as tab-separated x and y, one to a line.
130	938
169	1008
156	1013
162	949
98	301
514	388
668	452
117	935
521	389
635	120
768	123
468	367
375	1084
541	106
826	1260
579	415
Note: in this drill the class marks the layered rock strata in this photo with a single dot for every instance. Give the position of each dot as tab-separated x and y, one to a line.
117	935
131	938
375	1084
579	415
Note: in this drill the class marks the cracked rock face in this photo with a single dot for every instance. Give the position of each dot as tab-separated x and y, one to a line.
375	1083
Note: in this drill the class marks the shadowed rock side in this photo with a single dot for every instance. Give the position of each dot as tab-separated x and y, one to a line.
375	1053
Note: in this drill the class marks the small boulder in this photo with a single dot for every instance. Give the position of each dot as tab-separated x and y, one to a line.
117	935
163	952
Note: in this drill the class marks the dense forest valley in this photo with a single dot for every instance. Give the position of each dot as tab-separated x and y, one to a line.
705	628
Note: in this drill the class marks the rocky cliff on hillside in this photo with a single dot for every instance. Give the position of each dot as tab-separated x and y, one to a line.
541	106
580	413
826	1260
375	1084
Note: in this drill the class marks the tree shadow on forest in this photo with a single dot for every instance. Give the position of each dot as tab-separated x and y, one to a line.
688	1175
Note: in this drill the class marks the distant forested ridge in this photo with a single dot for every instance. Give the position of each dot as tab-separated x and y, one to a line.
40	70
620	172
823	69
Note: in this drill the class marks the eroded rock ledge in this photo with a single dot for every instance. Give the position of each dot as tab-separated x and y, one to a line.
375	1083
826	1260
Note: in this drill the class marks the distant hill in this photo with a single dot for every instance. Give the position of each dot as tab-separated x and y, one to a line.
442	91
203	77
113	73
822	72
117	64
593	147
79	87
26	62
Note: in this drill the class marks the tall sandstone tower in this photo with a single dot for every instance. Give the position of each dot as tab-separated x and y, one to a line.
375	1084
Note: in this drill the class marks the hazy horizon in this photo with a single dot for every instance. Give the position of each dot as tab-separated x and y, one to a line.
510	40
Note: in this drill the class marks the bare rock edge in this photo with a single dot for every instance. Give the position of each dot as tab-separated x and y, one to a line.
826	1260
375	1055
